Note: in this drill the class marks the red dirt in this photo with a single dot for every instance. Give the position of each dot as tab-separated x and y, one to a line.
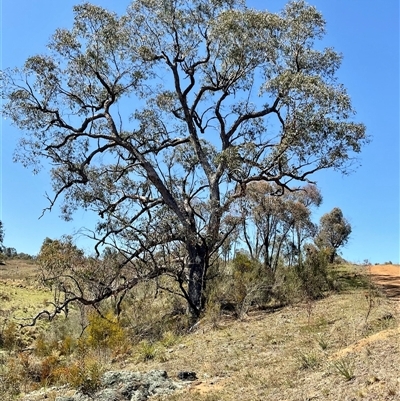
387	277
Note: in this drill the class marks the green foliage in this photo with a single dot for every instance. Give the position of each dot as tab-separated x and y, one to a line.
57	256
64	345
9	335
1	236
83	372
322	342
313	274
243	284
83	375
10	252
276	223
308	280
247	282
11	380
308	360
146	351
169	339
334	232
61	336
149	317
287	286
198	138
345	368
104	332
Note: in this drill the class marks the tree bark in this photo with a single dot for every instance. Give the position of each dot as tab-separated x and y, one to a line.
198	264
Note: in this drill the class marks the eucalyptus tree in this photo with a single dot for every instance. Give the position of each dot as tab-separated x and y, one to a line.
160	118
334	232
276	226
1	235
303	228
1	241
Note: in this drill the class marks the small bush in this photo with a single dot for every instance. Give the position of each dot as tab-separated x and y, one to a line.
46	370
84	375
287	287
169	339
104	332
313	274
345	368
45	347
9	336
10	380
148	317
250	285
146	351
322	342
308	360
25	372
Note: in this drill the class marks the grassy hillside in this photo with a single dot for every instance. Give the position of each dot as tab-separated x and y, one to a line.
345	346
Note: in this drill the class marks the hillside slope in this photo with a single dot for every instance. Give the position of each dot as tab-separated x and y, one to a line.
343	347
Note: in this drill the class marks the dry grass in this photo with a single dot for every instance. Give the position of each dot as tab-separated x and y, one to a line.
343	347
340	348
18	270
20	295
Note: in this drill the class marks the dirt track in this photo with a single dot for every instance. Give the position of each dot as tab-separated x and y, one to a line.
387	277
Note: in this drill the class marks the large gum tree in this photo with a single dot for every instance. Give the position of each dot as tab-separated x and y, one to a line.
159	119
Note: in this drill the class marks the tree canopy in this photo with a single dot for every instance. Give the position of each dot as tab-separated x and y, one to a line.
334	232
1	235
159	120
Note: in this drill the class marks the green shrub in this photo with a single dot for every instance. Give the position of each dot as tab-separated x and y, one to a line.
9	336
308	360
250	283
11	380
44	346
345	368
84	374
104	332
146	351
313	274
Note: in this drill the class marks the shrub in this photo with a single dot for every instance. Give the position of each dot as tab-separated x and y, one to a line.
169	339
9	336
313	274
148	315
250	285
308	360
345	368
11	379
146	351
84	374
46	346
104	332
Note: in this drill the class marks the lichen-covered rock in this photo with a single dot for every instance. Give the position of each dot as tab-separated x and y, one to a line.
128	386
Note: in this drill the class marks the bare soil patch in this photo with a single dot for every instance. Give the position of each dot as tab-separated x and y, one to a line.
387	278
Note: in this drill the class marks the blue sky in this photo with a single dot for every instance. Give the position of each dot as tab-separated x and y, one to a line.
365	31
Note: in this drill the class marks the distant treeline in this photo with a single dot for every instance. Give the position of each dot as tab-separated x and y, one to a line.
11	253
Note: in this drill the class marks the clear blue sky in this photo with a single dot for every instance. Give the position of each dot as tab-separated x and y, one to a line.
365	31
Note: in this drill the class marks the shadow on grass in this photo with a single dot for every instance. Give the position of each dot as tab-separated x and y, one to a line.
352	281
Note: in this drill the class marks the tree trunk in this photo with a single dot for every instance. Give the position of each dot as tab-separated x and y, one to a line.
332	256
198	264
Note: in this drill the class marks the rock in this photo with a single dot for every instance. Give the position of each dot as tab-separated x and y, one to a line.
128	386
187	376
65	398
